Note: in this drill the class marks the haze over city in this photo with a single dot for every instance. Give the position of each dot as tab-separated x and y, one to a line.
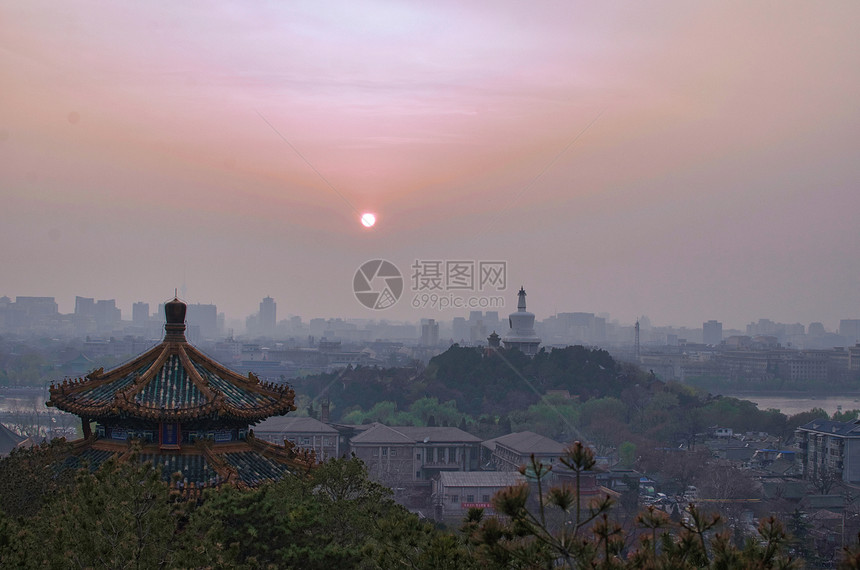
688	161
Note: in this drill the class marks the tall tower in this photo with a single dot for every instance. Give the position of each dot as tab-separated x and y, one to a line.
636	352
268	316
522	334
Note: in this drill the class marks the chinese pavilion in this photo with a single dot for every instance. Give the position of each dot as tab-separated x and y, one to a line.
187	414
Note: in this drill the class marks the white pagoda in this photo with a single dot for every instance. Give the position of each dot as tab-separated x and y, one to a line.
522	334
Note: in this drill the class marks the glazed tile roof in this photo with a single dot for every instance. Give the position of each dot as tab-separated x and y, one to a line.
171	387
193	468
232	393
92	458
103	393
254	469
172	382
243	464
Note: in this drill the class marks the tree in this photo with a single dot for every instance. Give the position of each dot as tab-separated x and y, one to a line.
334	518
30	476
627	454
120	516
824	479
798	528
527	538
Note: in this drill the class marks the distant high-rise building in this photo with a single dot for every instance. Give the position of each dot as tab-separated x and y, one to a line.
107	315
430	332
816	329
599	331
85	306
850	329
459	329
477	330
712	332
203	318
140	314
317	327
37	306
491	320
268	316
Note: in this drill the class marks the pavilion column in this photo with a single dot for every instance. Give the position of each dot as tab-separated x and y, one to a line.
85	427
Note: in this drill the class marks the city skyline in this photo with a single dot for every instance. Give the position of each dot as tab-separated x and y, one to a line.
683	161
210	318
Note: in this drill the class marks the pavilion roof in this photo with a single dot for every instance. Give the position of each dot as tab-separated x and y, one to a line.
204	464
172	382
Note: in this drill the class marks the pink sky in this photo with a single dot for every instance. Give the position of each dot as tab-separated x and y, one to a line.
719	181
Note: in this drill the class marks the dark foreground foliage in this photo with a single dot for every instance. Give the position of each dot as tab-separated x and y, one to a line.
123	516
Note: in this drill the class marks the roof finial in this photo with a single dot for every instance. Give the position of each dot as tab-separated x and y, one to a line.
174	312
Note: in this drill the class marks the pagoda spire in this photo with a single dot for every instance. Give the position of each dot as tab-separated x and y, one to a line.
174	328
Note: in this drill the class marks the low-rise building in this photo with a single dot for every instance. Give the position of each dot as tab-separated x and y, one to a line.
509	452
402	455
308	433
830	449
454	493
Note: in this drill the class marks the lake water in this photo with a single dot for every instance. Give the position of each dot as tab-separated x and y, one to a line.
790	405
23	400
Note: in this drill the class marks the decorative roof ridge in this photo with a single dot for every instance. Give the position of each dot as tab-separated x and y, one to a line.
283	393
163	414
194	375
129	366
251	382
141	381
292	455
224	470
98	377
279	399
210	364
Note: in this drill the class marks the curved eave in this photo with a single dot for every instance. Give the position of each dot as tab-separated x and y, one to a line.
249	382
72	396
208	410
63	396
215	456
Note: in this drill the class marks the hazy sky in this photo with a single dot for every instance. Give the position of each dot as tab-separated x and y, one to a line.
718	178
